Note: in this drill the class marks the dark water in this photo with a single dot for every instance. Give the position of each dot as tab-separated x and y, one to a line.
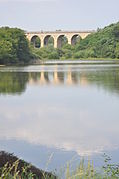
59	112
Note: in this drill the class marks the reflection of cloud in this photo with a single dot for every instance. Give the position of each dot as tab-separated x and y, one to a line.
82	118
57	126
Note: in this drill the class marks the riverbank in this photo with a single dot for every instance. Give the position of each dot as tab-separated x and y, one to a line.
80	61
74	61
92	61
13	167
103	44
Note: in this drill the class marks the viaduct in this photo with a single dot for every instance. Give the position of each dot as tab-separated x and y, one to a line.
57	36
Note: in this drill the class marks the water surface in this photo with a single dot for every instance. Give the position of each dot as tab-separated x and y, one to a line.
65	110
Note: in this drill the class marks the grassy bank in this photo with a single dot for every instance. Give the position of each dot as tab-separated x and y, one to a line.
86	170
13	168
75	61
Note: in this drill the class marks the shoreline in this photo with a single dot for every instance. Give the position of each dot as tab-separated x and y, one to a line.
73	61
97	61
8	161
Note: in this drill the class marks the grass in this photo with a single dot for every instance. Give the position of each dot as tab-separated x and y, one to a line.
85	170
12	172
88	171
13	168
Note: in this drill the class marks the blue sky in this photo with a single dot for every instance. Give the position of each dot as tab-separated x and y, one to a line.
36	15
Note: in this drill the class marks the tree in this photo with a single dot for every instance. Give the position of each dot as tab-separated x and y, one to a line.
14	47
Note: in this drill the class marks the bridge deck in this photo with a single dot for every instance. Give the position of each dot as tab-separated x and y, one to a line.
54	32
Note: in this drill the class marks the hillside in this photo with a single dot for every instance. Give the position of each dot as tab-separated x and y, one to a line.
102	44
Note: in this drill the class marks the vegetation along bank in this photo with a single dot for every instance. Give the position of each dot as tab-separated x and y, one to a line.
15	48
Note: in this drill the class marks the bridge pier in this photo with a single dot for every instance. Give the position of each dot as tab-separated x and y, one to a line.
42	43
69	41
55	43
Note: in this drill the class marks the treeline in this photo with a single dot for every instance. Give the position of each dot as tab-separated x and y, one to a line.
102	44
14	47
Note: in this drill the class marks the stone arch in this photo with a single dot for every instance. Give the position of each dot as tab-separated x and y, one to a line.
36	41
61	40
48	40
75	38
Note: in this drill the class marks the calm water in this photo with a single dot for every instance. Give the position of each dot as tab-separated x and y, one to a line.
66	111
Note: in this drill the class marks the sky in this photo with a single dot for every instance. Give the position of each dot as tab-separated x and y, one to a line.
36	15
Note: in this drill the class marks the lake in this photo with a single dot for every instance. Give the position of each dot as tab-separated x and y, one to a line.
59	113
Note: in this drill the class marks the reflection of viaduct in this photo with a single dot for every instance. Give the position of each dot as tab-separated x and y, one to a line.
56	78
57	37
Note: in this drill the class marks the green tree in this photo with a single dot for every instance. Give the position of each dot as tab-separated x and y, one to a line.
14	46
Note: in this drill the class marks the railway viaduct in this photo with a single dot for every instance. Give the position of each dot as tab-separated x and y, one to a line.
57	36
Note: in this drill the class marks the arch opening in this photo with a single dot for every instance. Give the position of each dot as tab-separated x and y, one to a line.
75	39
49	41
35	41
61	41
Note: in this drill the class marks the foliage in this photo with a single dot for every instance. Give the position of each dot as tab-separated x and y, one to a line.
13	168
111	170
12	172
14	47
86	170
101	44
82	171
16	168
36	42
46	52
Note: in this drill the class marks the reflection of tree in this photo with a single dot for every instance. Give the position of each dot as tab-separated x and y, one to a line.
34	76
108	79
13	82
61	76
75	77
